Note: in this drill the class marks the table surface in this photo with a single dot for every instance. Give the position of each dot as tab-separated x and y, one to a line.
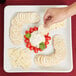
36	2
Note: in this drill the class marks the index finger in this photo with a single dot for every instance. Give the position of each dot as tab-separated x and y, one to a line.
46	17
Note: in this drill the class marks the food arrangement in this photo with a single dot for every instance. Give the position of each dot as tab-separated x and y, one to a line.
56	57
35	39
17	24
19	57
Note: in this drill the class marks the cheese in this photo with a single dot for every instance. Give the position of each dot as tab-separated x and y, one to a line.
36	38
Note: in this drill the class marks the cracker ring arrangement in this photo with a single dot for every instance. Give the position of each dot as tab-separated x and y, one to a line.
27	40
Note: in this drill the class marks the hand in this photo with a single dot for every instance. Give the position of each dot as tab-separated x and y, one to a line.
54	15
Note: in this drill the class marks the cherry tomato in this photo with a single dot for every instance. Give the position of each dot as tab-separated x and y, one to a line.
47	34
24	36
28	45
31	47
27	32
31	30
46	46
35	50
26	41
48	38
46	42
35	28
39	49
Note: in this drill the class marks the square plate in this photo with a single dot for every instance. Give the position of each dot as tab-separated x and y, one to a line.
65	66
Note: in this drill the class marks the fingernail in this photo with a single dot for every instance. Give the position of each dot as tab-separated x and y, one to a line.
49	18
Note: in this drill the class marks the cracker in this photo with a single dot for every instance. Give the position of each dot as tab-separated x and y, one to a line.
17	23
42	30
56	57
19	57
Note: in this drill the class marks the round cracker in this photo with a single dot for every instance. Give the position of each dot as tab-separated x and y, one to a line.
17	23
57	56
20	58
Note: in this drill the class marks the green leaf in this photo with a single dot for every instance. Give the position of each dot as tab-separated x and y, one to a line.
28	35
42	45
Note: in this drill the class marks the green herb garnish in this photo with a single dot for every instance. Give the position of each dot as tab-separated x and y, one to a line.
42	45
28	35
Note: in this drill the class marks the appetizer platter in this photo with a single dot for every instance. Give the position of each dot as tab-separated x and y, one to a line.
30	47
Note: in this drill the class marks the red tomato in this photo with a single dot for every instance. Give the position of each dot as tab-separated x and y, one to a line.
47	34
45	46
31	47
40	49
26	41
35	28
27	32
35	50
28	45
24	36
46	42
31	30
48	38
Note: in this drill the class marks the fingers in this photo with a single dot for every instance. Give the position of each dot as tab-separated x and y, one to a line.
46	17
49	23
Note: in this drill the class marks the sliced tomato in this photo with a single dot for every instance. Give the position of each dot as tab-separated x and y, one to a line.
35	28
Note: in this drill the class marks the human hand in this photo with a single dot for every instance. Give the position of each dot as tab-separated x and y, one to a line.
54	15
